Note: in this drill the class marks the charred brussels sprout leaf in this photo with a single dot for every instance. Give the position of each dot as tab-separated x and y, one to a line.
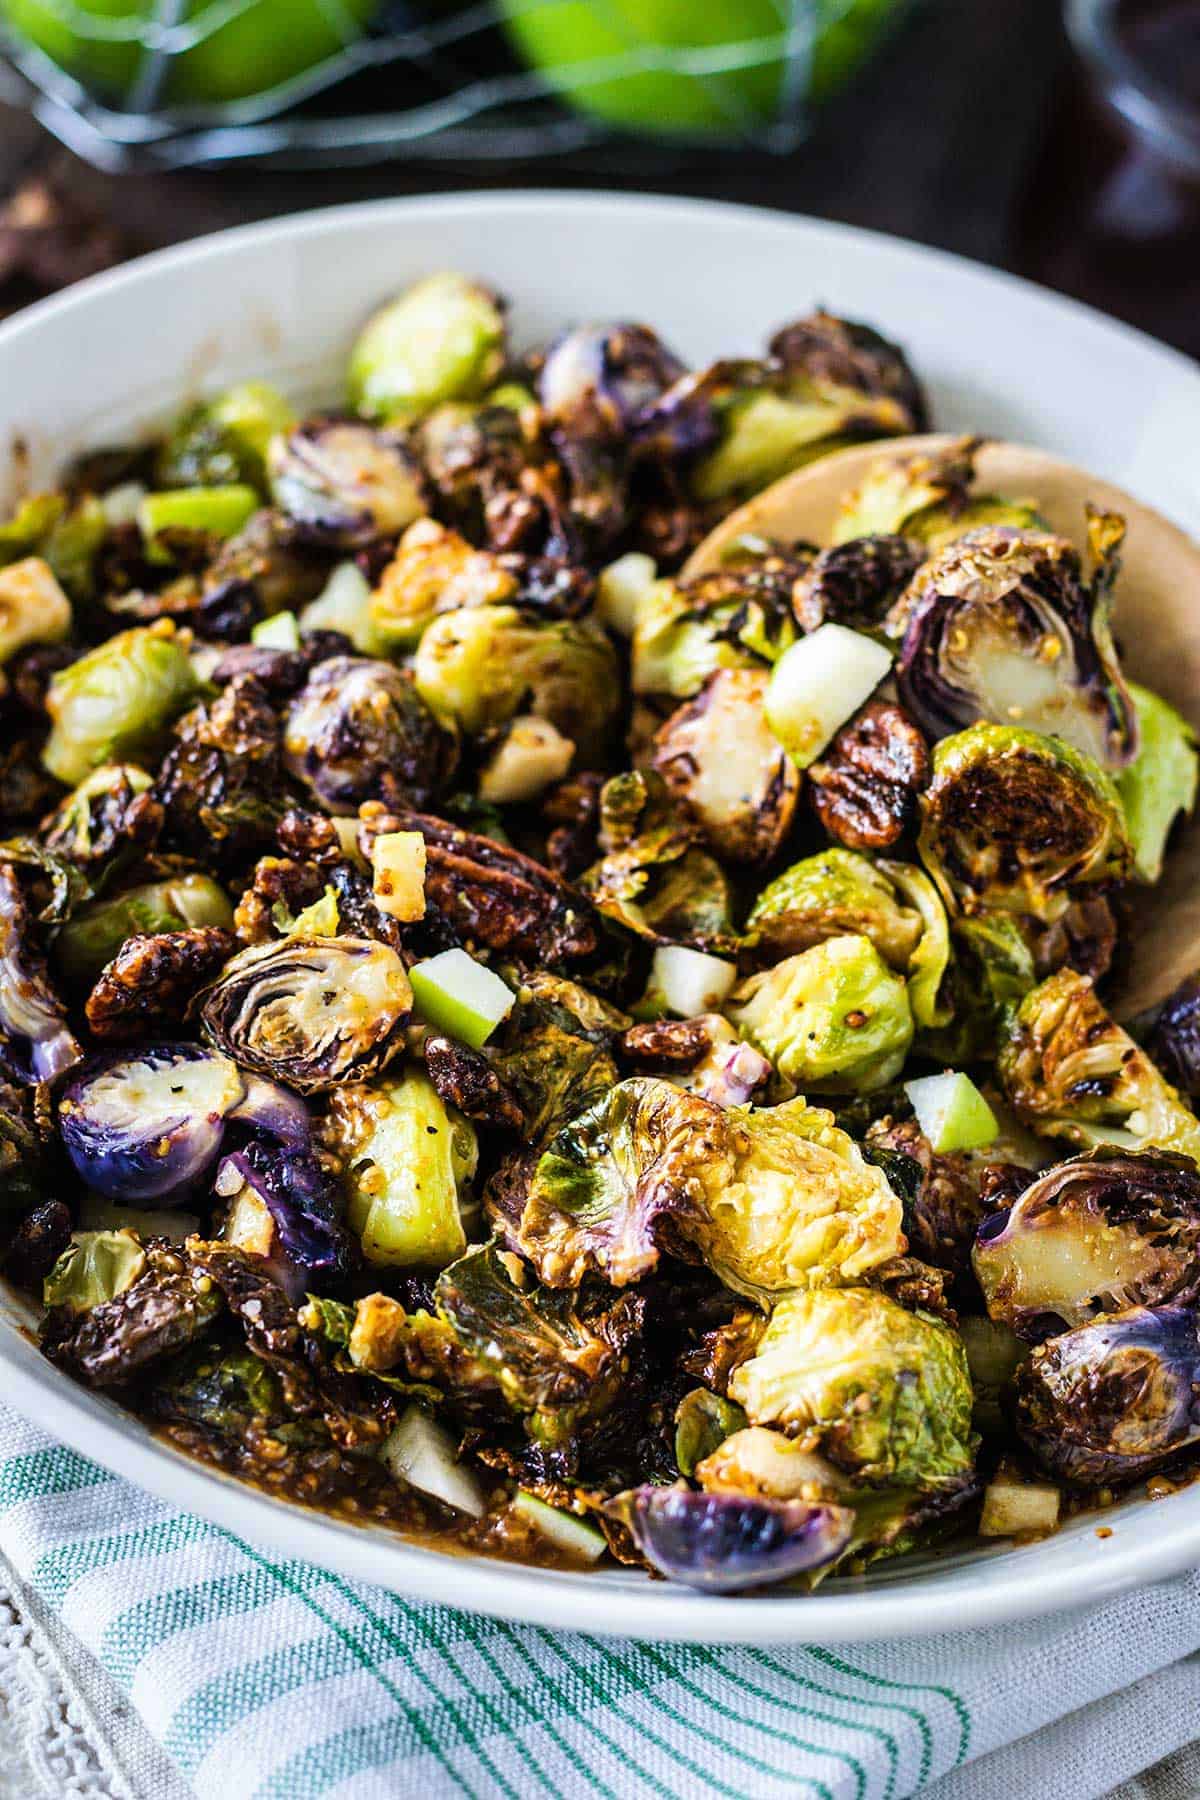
1102	1232
106	820
736	618
311	1012
97	1266
927	496
343	486
555	1053
832	1019
1014	821
1070	1071
407	1161
726	1543
653	878
482	665
884	1392
770	1199
730	774
117	702
1002	626
359	730
442	339
1160	783
1112	1400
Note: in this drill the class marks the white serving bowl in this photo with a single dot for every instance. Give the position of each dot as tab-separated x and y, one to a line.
282	300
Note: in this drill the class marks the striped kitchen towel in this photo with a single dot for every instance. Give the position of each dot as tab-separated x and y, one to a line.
268	1679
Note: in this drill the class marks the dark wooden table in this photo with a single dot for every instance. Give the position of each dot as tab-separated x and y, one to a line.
941	140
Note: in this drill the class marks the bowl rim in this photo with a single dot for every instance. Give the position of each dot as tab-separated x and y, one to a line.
904	1606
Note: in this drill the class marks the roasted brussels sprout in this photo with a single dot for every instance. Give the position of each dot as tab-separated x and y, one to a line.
943	1204
106	820
1070	1071
66	539
703	1420
653	878
773	1199
442	339
33	608
725	619
407	1161
117	702
1160	782
884	1393
94	934
1102	1232
927	496
1015	821
1112	1400
224	440
343	486
359	730
727	770
726	1543
434	571
1002	626
832	1019
555	1052
36	1041
482	665
311	1011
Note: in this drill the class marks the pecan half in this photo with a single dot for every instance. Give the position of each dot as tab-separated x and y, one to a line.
152	977
855	583
674	1043
865	790
466	1079
573	810
277	880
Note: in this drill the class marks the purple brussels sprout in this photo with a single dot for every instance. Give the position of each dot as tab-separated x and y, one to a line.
149	1126
1173	1042
723	1543
1098	1233
36	1043
1002	624
344	485
1114	1399
359	730
305	1247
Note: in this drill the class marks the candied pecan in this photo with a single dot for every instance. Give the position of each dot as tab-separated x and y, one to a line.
673	1043
573	809
152	978
466	1079
913	1283
855	583
492	895
865	790
277	881
37	1244
309	836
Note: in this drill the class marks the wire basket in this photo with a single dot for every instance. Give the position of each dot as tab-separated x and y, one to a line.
419	80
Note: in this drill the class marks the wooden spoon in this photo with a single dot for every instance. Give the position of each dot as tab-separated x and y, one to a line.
1157	626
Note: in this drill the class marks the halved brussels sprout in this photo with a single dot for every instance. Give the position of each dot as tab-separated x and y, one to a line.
442	339
225	439
117	702
725	1543
92	936
148	1127
1003	626
407	1161
653	878
344	485
359	730
483	665
721	761
1070	1071
1112	1400
927	495
883	1392
36	1042
1014	820
832	1019
1099	1233
434	570
311	1012
1160	782
773	1199
725	619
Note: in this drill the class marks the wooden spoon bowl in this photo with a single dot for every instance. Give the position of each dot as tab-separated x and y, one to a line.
1156	624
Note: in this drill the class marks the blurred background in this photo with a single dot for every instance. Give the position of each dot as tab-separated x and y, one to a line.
1056	138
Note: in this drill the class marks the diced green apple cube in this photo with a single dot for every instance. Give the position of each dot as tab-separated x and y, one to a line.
690	982
1012	1506
819	683
460	996
573	1536
421	1453
279	632
952	1112
622	590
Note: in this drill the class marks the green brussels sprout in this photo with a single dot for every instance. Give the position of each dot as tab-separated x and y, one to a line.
482	665
652	877
96	1266
67	537
1160	783
407	1161
726	768
1015	821
435	570
117	702
1070	1071
926	495
842	891
831	1019
883	1392
86	826
772	1199
721	620
94	934
225	440
703	1420
442	339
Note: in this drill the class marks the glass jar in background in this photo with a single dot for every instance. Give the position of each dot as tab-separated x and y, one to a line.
1111	208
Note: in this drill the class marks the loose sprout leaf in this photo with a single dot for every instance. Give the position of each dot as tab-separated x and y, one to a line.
1160	783
98	1266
